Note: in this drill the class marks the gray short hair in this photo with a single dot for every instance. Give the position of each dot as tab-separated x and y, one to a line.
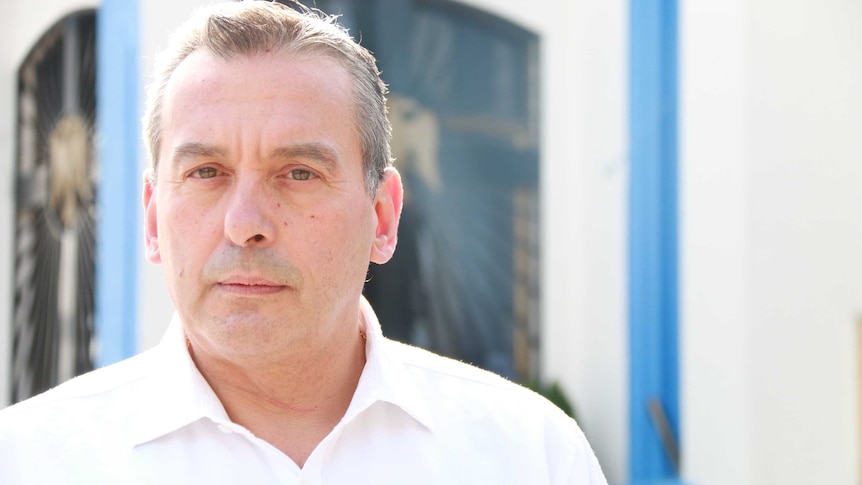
236	29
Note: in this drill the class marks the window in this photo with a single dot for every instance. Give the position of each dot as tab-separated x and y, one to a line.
55	209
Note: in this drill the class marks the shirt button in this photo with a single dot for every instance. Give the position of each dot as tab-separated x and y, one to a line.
225	429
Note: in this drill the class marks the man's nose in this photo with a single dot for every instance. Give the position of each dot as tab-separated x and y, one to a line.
248	221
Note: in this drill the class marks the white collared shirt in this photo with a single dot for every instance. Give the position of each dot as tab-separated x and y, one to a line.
415	418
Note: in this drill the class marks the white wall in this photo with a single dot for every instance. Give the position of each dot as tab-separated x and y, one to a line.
772	232
22	24
713	220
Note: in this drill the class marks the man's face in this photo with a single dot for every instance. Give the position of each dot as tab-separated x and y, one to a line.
260	213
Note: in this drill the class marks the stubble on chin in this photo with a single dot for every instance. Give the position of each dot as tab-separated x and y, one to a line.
240	322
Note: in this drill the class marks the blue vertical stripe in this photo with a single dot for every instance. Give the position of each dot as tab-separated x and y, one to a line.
652	251
118	202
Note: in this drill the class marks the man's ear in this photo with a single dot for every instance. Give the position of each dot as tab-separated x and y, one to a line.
387	206
151	227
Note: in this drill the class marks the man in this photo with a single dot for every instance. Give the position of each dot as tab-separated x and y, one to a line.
270	191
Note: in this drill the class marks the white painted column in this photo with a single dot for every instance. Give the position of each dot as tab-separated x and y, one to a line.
772	232
714	348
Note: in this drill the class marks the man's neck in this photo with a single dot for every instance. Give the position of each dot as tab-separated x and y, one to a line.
293	402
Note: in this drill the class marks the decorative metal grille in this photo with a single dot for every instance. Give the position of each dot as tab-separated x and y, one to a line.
55	209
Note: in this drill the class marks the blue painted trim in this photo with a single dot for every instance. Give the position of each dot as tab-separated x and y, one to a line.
652	251
118	201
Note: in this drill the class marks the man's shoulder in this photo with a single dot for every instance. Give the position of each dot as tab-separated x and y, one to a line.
460	385
76	429
81	397
423	361
505	419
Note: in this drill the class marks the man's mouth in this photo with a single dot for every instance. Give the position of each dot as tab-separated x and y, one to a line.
250	285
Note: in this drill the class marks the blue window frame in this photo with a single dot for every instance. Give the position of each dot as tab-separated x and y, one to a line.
117	246
652	251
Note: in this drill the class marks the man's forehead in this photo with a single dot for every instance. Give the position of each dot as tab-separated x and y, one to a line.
206	77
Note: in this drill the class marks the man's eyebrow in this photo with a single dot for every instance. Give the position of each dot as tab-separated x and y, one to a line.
319	152
310	151
189	151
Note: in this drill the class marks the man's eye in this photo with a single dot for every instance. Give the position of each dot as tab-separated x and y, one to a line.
205	172
300	174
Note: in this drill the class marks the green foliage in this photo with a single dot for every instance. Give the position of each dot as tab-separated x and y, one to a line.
554	393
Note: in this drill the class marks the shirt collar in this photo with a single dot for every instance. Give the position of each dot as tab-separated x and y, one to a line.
178	394
385	376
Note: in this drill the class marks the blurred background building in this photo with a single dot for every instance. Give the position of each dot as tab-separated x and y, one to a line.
655	205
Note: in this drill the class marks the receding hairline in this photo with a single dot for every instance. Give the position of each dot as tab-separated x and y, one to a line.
281	54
